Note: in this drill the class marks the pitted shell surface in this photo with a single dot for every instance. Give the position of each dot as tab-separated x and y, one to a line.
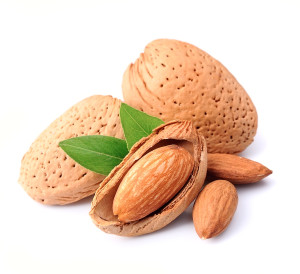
176	80
47	173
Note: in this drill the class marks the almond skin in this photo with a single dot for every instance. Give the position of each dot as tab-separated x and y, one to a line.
152	182
214	208
236	169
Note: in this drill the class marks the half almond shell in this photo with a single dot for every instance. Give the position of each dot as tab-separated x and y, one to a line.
181	133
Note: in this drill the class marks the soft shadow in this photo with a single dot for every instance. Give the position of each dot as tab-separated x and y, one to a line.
255	148
244	208
185	219
264	183
84	201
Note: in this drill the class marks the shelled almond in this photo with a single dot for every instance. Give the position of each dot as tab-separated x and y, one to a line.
214	208
236	169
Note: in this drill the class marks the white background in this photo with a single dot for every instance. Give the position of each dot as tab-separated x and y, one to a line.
55	53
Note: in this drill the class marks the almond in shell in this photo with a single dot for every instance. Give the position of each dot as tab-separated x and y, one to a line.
48	174
151	182
179	133
176	80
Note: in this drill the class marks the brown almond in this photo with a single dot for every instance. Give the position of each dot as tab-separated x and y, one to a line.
180	133
214	208
236	169
151	182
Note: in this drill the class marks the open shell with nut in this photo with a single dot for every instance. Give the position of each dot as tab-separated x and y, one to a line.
176	133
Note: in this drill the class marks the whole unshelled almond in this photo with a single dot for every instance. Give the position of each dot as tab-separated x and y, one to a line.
151	182
214	208
236	169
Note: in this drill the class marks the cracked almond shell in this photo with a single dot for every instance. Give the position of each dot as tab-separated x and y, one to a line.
47	173
182	133
176	80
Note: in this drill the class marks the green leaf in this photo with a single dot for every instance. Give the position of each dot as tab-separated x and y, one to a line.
96	152
136	124
100	153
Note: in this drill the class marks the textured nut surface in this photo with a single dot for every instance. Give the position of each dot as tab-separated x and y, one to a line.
214	208
181	133
176	80
151	182
50	176
236	169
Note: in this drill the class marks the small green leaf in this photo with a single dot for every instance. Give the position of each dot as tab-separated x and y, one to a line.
136	124
96	152
100	153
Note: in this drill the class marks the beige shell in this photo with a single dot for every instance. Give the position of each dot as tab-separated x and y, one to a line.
47	174
182	133
175	80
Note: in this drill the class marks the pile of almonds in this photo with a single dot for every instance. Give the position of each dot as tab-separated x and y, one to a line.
209	118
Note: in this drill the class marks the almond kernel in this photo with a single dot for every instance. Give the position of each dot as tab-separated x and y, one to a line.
151	182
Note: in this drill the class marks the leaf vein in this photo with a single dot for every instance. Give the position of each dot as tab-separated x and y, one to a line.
93	151
137	123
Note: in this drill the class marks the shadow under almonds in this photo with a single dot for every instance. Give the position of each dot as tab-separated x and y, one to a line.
184	219
83	202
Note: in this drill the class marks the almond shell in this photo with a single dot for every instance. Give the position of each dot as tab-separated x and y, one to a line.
182	133
175	80
47	173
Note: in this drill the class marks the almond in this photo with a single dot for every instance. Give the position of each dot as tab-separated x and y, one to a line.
236	169
47	173
214	208
176	80
178	133
151	182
